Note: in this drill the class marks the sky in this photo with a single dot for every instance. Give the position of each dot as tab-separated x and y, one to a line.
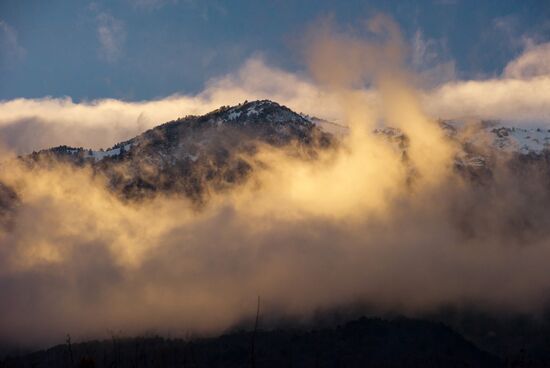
136	50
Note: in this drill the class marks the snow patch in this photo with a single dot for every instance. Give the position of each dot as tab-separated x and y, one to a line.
234	115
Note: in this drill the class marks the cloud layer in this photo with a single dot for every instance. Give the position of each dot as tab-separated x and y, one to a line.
354	225
521	96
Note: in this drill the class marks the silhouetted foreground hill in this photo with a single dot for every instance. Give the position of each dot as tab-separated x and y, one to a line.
361	343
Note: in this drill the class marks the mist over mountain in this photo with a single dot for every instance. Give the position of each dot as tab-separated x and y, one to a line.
370	208
196	154
200	158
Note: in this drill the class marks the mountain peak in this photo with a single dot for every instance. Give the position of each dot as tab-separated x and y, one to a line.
197	154
262	111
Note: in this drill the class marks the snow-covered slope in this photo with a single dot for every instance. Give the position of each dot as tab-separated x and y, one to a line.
512	139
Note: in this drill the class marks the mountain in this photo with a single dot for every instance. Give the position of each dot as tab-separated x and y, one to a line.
483	146
485	137
525	141
366	342
195	155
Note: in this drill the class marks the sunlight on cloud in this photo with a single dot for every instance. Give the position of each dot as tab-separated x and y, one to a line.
521	96
102	123
534	62
360	222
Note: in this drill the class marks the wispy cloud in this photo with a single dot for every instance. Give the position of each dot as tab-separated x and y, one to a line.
111	34
430	60
535	61
10	49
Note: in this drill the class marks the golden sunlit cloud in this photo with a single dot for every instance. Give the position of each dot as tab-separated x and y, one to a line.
361	222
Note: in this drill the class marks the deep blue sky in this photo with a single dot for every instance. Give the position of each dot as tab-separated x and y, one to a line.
142	49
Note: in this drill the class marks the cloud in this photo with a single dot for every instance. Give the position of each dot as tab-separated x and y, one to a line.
111	34
513	101
11	50
430	61
533	62
102	123
306	235
33	124
520	96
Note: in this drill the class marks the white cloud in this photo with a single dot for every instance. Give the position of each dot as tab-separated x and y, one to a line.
102	123
515	101
520	96
534	62
111	34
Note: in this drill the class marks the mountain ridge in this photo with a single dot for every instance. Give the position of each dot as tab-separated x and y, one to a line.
357	343
197	155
